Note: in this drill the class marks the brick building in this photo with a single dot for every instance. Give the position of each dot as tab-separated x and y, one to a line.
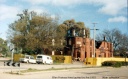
83	47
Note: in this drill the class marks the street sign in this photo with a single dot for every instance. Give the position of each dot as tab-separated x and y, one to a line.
16	64
10	63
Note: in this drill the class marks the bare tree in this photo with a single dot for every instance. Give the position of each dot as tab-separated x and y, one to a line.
119	40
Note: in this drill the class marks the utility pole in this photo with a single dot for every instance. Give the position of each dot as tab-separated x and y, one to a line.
94	29
94	39
127	33
127	15
53	43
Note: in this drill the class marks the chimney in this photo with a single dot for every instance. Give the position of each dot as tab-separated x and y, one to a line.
104	38
73	32
83	33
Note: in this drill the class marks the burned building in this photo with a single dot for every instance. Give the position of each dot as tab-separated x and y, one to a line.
83	47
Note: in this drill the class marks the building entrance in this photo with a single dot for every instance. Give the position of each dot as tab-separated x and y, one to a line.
78	56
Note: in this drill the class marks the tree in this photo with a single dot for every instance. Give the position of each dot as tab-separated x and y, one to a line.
64	28
32	32
3	47
70	24
123	47
119	40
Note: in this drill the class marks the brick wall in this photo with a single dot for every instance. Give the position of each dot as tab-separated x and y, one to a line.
84	48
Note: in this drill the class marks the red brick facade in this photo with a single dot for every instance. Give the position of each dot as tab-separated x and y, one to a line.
79	47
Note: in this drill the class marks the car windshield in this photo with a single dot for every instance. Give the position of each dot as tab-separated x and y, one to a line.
27	57
39	56
31	57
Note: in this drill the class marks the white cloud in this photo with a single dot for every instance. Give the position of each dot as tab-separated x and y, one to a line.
57	2
36	2
8	12
66	2
118	19
7	16
2	1
54	2
38	9
110	7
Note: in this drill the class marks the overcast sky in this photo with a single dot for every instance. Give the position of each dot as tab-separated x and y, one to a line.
108	14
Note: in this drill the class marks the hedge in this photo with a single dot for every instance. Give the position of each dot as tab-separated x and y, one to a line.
114	63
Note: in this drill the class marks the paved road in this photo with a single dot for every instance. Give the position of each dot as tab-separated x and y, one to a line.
26	66
86	73
42	66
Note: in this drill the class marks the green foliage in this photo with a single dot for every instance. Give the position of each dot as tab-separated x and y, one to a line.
33	34
70	24
113	63
37	33
3	47
117	64
107	63
124	63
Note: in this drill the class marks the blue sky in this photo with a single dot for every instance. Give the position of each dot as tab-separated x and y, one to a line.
108	14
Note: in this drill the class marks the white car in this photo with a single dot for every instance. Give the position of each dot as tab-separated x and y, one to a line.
28	59
45	59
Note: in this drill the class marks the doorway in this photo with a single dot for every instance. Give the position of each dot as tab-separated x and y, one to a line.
78	56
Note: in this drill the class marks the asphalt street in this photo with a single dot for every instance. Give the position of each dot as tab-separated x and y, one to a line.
78	72
86	73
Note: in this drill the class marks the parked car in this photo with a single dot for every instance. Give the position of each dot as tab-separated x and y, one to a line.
45	59
28	59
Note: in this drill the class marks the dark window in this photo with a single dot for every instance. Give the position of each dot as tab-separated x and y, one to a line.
39	56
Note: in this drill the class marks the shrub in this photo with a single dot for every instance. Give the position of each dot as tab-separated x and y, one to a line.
112	63
117	64
107	63
124	63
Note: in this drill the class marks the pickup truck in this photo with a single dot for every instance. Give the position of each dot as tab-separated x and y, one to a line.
28	59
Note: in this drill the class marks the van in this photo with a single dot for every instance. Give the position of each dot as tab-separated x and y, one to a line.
45	59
